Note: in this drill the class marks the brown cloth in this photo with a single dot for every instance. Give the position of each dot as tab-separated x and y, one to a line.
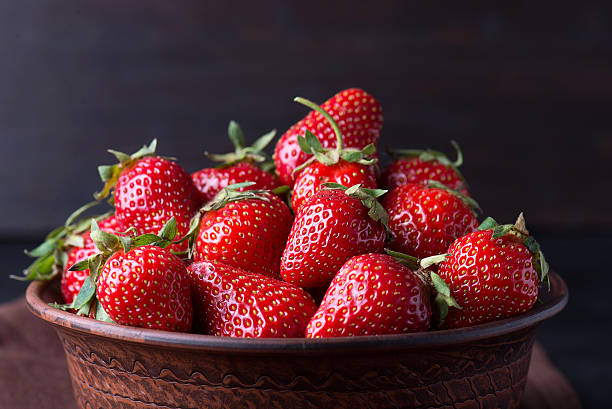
33	371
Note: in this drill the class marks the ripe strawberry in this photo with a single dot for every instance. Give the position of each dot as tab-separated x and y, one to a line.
372	294
237	167
426	220
421	166
359	116
209	181
134	281
329	228
149	190
493	273
72	281
246	230
232	302
146	287
347	167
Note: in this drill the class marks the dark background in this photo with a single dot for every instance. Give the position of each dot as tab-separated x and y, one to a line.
525	89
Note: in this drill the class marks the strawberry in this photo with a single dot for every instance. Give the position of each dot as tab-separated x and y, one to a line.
146	287
135	281
421	166
237	167
359	116
330	227
347	167
232	302
493	273
372	294
246	230
425	220
149	190
73	280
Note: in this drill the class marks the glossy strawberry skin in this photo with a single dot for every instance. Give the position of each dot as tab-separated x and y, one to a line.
247	234
147	287
425	221
416	171
359	117
372	294
489	278
151	191
311	179
209	181
232	302
329	228
72	281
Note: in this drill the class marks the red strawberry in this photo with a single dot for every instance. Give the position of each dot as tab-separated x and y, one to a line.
493	273
421	166
347	167
246	230
149	190
329	228
426	220
359	116
146	287
134	281
209	181
236	167
232	302
372	294
73	280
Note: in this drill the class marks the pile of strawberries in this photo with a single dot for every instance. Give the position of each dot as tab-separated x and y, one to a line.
319	243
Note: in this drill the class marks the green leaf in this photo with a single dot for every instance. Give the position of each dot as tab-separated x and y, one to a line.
106	171
406	259
500	231
95	263
40	269
433	260
240	185
313	142
121	157
101	314
351	156
488	224
324	159
170	230
235	134
75	240
263	141
145	240
304	145
281	190
146	150
105	242
80	266
44	249
127	243
86	293
368	150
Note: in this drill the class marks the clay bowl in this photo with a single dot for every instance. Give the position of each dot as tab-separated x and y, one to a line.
114	366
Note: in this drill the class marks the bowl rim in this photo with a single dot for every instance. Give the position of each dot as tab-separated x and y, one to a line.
553	302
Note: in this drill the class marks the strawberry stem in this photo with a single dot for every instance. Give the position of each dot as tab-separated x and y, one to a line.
334	125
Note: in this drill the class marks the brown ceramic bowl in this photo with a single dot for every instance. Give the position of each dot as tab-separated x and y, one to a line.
114	366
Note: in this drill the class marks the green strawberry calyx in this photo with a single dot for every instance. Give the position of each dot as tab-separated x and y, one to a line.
51	255
110	173
242	153
226	195
519	229
471	203
427	155
368	197
109	244
443	299
311	145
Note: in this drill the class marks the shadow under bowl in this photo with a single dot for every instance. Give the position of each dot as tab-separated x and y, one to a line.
110	365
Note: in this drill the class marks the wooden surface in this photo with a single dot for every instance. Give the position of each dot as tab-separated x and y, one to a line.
526	90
